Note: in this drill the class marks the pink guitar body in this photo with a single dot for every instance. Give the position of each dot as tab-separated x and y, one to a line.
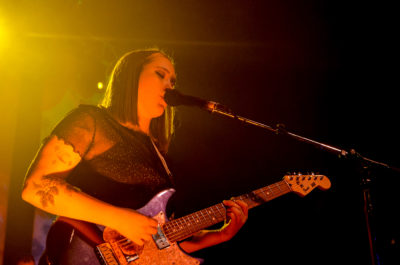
80	252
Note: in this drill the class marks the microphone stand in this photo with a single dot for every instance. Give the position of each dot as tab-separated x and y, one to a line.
366	163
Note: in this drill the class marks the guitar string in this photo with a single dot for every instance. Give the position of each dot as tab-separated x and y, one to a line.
184	233
204	220
182	220
199	220
122	241
180	224
246	197
183	230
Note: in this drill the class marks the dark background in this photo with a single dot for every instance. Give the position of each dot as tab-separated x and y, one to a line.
322	68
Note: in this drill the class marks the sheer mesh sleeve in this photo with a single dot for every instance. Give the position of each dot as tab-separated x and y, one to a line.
77	129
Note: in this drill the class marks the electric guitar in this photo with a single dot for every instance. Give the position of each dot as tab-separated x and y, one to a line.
111	248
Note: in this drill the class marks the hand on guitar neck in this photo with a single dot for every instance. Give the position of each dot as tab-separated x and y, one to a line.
237	212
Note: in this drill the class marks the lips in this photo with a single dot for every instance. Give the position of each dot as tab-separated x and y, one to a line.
163	103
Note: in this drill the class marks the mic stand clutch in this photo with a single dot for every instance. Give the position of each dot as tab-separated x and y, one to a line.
366	164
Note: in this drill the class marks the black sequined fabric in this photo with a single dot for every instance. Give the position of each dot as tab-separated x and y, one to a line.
119	165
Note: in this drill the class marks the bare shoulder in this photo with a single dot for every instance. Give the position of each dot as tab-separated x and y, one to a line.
47	173
55	156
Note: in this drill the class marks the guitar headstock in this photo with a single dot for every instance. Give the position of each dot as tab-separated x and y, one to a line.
304	184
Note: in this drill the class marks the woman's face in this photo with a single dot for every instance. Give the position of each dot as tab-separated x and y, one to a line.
155	78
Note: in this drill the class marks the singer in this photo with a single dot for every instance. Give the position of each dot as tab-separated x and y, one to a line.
102	163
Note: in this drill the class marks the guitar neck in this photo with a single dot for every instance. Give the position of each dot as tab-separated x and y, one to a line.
184	227
268	193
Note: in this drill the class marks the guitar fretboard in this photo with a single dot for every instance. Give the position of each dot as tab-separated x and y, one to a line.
184	227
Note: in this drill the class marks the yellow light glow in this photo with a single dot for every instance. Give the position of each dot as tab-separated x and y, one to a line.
100	85
4	35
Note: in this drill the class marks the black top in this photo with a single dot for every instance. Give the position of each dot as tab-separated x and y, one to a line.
119	166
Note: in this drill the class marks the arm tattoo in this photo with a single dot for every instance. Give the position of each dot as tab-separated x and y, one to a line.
48	188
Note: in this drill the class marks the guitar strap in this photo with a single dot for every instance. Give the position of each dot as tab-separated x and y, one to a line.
163	161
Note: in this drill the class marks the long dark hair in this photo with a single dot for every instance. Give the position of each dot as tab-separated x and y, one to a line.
121	95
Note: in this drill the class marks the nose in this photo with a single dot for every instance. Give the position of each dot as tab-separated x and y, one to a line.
169	84
164	89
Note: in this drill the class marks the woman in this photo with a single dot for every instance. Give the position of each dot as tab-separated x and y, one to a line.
101	162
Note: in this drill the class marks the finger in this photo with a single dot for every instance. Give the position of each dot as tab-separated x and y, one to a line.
240	216
152	230
229	203
243	206
147	238
231	216
236	211
153	222
234	204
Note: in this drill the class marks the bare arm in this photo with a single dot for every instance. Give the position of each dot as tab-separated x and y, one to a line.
45	188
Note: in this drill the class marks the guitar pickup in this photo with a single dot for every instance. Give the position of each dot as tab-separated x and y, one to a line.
105	254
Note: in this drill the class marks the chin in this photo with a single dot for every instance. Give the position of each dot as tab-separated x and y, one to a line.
159	112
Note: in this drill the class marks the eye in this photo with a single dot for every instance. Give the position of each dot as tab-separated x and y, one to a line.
160	74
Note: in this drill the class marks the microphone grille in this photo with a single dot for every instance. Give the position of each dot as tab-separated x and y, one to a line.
173	97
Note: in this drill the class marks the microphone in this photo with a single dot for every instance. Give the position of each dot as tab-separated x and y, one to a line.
175	98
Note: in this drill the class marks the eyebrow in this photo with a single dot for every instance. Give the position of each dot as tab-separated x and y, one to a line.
165	69
162	67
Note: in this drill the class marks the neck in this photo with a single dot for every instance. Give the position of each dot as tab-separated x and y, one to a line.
144	126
